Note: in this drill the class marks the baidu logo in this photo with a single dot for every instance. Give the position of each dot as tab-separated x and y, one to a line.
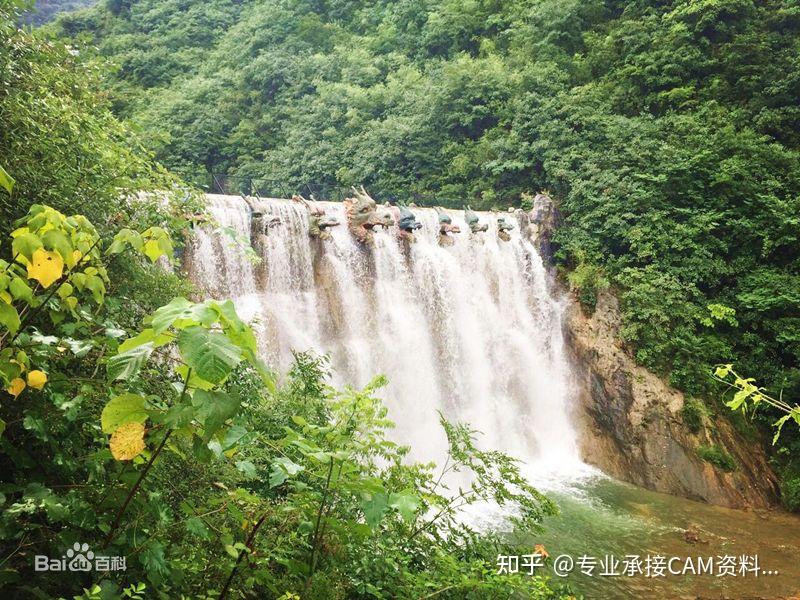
79	558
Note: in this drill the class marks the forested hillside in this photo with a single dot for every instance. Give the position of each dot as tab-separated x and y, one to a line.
668	132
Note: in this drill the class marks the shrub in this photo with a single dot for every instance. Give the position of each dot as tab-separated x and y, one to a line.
717	457
586	281
693	413
790	494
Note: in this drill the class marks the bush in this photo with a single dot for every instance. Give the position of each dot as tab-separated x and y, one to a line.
790	494
693	413
586	281
717	457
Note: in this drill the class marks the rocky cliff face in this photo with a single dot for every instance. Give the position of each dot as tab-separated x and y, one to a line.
632	426
631	421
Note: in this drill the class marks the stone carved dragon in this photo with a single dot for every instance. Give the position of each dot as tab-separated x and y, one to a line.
260	224
474	222
318	221
407	223
446	228
362	215
503	227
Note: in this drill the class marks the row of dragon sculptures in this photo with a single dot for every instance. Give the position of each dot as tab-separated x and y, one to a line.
364	215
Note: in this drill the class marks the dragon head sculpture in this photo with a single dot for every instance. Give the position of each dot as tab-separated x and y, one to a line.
263	222
362	216
318	221
503	227
474	222
407	223
446	228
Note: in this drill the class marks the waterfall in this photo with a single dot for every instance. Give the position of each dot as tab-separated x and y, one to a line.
472	330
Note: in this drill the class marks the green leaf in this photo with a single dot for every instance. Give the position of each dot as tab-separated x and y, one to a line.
9	317
406	504
209	353
723	371
282	469
54	239
127	408
152	250
20	289
145	336
124	239
778	427
164	317
374	508
127	364
6	180
212	409
25	244
246	467
96	286
738	399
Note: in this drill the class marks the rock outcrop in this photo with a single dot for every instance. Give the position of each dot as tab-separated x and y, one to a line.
632	426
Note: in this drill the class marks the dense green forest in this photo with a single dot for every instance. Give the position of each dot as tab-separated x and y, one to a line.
667	131
138	425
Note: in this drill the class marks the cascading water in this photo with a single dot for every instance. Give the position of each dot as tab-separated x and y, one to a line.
472	330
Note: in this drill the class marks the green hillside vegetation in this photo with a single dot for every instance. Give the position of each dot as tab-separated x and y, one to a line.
667	131
137	424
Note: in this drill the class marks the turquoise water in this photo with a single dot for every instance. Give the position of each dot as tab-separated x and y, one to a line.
605	517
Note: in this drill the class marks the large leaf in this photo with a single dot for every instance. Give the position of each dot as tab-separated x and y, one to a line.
282	468
211	354
127	364
405	503
212	409
25	245
127	441
127	408
9	317
6	180
55	240
46	267
374	508
164	317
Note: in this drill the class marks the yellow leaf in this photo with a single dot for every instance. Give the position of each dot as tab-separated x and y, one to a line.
16	386
152	250
19	364
46	267
37	379
76	256
127	441
5	297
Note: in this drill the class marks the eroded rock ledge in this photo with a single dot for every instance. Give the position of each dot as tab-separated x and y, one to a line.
632	427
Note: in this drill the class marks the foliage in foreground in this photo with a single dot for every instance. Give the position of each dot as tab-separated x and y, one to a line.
170	446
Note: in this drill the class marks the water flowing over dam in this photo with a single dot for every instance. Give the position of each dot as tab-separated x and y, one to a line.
472	330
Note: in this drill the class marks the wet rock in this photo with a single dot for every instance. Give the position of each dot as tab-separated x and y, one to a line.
632	425
543	220
692	536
